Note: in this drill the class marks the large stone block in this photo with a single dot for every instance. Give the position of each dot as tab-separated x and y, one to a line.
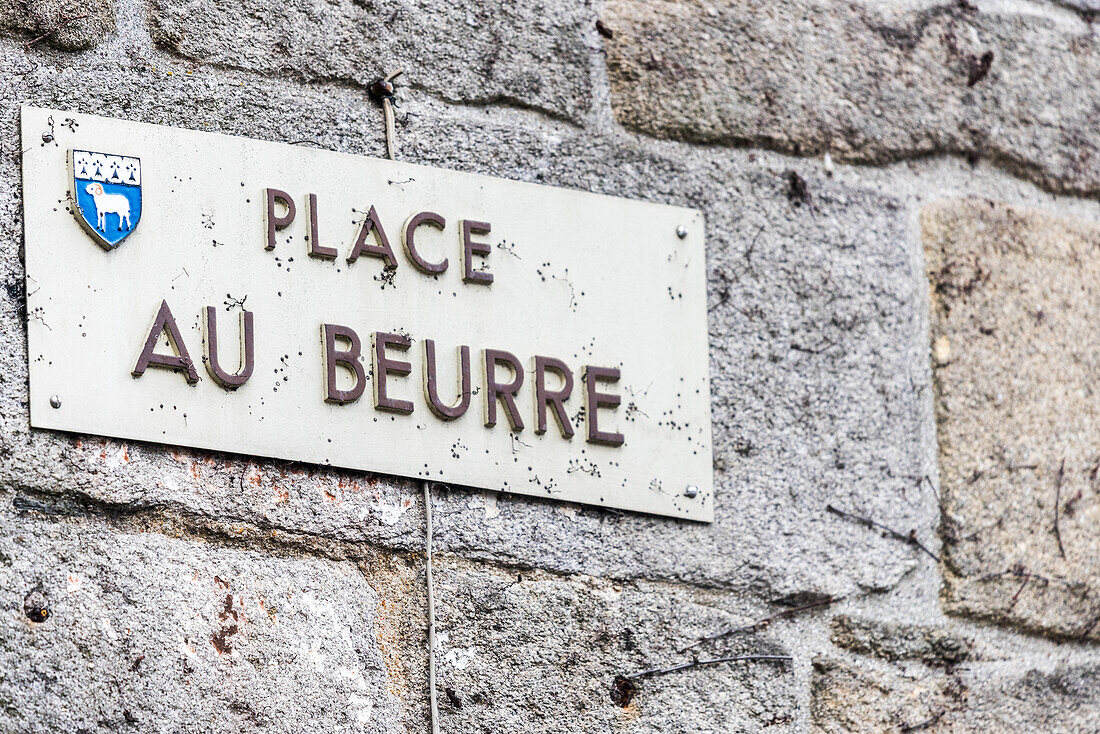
1016	355
64	24
536	652
868	82
106	627
533	53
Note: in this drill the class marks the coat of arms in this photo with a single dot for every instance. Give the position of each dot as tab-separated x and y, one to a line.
107	194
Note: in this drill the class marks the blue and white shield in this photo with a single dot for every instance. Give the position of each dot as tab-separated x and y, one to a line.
107	193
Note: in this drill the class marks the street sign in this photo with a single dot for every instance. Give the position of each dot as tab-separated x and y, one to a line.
275	300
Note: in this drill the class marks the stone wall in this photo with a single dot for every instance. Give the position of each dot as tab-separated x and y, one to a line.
903	226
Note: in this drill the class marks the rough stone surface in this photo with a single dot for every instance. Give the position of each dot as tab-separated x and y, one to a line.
518	648
1088	8
868	82
63	24
866	696
533	53
893	641
155	633
1061	701
1017	361
854	696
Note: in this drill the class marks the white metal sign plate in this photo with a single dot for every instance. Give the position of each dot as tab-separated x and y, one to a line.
277	300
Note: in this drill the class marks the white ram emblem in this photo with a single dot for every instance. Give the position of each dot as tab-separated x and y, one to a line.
108	204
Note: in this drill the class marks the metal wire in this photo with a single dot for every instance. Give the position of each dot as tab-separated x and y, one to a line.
383	91
431	613
387	108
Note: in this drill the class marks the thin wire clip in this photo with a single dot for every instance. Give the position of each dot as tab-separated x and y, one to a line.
382	90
